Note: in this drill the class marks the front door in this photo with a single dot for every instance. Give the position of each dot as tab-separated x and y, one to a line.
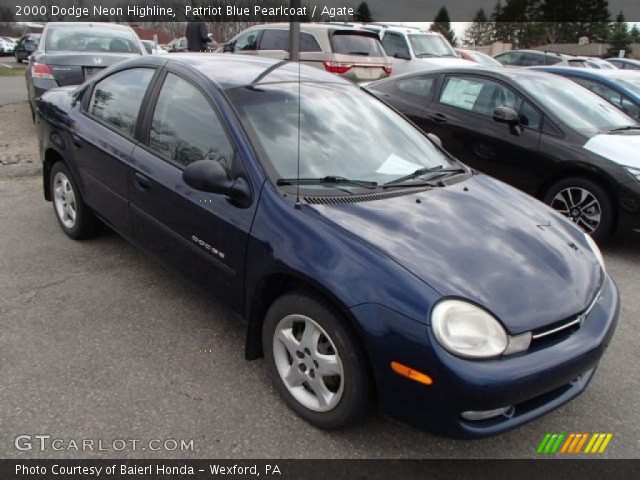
202	235
461	116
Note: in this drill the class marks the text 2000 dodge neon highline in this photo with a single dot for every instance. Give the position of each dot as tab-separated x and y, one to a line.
398	277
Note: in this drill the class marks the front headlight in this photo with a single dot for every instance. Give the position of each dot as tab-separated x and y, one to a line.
468	331
596	250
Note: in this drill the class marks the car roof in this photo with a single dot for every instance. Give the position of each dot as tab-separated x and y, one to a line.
232	71
114	26
474	69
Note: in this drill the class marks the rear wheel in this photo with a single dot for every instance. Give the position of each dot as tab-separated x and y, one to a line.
316	361
585	203
73	215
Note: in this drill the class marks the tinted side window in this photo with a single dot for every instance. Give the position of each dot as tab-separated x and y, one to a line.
394	44
308	43
275	40
483	96
531	59
247	42
602	90
279	40
117	98
185	128
420	87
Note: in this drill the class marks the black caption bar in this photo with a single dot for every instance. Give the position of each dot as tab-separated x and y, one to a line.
515	11
317	469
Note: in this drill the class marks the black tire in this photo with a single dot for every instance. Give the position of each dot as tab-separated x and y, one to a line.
85	225
604	200
357	390
18	59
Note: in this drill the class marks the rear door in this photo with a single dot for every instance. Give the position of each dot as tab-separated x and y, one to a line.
411	96
461	115
362	51
103	139
201	235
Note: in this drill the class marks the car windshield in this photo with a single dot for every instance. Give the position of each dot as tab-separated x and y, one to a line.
91	39
430	46
575	106
349	43
344	132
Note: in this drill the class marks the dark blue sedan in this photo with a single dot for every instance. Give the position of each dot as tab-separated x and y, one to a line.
619	87
370	266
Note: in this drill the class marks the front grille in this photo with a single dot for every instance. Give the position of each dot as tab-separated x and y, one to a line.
558	331
363	198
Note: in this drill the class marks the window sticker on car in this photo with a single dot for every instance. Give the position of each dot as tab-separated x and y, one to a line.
395	165
461	93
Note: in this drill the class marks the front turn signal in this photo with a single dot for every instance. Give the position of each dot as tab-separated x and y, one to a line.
411	373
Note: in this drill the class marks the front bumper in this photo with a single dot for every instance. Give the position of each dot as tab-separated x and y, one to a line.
535	382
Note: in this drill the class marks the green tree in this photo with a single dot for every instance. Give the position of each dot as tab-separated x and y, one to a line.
635	34
480	31
592	20
362	13
442	24
620	38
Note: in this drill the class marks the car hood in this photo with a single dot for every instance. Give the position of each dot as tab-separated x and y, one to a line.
484	241
621	148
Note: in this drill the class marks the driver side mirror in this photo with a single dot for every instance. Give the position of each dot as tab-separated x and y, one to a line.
210	176
510	117
228	47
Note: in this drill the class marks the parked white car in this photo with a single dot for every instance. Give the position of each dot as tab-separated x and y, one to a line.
412	49
7	46
152	48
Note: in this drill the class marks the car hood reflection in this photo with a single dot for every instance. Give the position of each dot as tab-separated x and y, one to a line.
484	241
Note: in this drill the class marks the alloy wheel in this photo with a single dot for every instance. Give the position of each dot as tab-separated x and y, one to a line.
308	363
65	200
580	205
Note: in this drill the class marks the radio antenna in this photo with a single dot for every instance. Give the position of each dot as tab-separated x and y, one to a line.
294	56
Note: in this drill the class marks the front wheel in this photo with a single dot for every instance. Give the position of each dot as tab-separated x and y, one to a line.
585	203
316	362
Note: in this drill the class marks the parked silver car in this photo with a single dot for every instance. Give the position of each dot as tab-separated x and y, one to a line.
353	53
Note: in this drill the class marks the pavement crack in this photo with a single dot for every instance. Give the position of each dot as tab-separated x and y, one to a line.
51	284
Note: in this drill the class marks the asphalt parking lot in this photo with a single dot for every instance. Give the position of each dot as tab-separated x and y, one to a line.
99	342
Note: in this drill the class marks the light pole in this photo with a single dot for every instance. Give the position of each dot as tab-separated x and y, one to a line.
294	32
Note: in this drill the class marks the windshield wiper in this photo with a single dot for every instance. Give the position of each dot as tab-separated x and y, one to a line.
426	55
328	179
626	127
366	54
439	170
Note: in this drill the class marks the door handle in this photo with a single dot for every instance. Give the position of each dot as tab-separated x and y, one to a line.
77	141
142	182
438	118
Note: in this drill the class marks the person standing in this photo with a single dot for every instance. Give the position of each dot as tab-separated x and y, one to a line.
197	35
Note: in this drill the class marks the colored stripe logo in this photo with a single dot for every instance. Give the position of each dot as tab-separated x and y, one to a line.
574	443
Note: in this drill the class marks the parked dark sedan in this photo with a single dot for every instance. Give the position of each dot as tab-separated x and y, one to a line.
541	133
367	262
71	52
26	46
